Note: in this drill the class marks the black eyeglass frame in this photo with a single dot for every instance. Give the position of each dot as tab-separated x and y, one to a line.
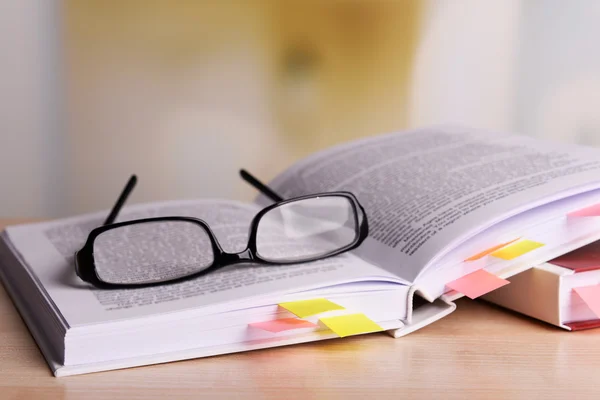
85	266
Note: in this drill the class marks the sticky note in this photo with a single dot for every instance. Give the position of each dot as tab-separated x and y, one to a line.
305	308
517	249
283	324
490	250
591	296
586	258
352	324
591	211
477	283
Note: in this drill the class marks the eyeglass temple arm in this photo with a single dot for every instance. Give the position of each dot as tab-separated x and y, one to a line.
261	187
121	200
114	212
264	189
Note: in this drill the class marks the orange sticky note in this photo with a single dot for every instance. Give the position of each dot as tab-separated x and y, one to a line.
591	211
283	324
477	283
516	249
490	250
591	296
305	308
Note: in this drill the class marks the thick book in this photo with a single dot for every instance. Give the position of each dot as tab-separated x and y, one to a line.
564	291
448	209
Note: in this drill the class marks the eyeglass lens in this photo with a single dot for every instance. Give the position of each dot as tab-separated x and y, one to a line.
152	252
307	228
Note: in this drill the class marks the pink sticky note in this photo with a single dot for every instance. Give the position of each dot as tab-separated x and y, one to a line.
284	324
591	211
591	296
477	283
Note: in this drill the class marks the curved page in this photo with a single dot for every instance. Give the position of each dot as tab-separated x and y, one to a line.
427	191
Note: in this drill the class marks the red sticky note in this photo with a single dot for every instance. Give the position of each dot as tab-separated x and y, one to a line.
490	250
591	211
284	324
591	296
586	258
477	283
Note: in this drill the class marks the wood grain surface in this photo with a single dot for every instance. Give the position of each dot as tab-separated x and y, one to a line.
479	352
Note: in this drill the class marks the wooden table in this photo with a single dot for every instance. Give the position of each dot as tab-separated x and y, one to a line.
479	352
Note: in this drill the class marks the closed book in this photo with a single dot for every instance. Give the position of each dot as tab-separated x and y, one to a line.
549	291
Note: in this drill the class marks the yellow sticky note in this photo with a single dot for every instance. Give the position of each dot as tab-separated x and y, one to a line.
306	308
516	249
353	324
490	250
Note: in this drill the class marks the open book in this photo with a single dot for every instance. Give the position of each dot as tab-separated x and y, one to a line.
442	204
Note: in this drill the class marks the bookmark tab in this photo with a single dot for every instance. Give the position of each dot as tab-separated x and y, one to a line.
490	250
516	249
284	324
353	324
477	283
591	296
306	308
586	258
591	211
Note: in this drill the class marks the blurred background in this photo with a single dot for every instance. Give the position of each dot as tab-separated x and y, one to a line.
184	93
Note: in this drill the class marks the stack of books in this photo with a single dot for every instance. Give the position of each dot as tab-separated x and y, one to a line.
451	213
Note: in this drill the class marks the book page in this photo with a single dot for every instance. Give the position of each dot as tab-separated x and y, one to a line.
427	191
48	249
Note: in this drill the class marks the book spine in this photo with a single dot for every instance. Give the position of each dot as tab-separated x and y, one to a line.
581	325
534	292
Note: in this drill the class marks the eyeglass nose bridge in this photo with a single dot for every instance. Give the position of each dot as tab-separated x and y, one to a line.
235	258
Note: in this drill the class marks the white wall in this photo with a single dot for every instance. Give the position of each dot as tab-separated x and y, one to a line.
528	66
30	103
558	71
465	64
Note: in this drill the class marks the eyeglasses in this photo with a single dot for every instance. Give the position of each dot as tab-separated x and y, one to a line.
165	250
